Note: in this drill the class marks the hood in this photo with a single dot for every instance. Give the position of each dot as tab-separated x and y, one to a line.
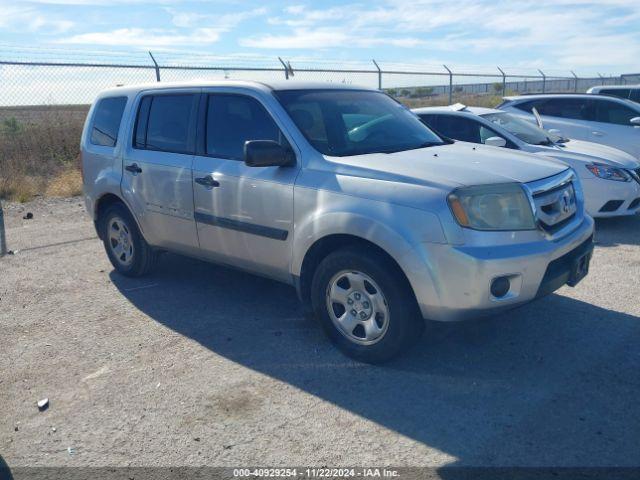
577	152
603	153
454	165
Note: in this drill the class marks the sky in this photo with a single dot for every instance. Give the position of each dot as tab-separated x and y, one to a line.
555	35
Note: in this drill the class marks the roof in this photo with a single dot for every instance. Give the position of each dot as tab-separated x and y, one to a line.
614	87
589	96
547	95
275	85
455	109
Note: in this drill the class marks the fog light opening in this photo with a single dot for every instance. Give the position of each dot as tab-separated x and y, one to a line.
500	287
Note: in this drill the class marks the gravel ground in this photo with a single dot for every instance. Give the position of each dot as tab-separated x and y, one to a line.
201	365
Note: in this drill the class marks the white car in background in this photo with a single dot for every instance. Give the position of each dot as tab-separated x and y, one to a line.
630	92
595	118
610	177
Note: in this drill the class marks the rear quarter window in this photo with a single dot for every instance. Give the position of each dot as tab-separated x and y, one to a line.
106	121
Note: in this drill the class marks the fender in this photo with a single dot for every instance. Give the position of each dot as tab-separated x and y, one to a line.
399	233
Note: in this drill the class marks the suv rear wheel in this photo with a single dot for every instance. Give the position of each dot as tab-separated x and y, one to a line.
365	305
128	251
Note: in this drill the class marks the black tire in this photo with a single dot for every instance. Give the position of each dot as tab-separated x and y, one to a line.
404	324
142	258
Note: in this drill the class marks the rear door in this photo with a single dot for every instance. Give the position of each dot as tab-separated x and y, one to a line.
157	181
612	126
244	214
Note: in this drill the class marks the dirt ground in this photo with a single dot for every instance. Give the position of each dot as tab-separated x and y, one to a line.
202	365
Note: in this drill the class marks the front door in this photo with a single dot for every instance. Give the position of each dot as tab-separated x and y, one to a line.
244	215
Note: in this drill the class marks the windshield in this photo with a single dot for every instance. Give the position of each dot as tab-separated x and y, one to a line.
522	129
355	122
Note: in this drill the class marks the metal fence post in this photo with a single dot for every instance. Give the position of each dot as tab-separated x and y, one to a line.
544	81
575	86
504	81
287	68
3	238
379	74
450	84
155	64
601	78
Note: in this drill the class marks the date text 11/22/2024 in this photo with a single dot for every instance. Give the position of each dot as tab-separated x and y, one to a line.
317	472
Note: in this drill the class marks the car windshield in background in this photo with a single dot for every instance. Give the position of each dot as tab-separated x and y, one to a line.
522	129
355	122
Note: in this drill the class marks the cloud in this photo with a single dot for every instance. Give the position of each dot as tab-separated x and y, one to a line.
189	29
564	30
19	18
139	37
224	22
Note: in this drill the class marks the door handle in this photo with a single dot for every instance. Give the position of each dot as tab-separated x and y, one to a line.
207	181
597	134
133	168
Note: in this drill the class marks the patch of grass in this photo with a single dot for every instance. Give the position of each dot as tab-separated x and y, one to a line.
66	184
20	188
486	100
39	152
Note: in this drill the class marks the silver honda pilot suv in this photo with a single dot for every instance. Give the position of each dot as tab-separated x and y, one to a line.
340	191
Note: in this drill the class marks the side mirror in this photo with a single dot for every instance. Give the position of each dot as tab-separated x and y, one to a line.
266	153
496	142
635	121
557	135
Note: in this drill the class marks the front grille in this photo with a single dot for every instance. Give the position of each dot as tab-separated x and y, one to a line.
555	206
559	271
635	174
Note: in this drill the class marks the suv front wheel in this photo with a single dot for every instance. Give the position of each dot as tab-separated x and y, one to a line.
365	305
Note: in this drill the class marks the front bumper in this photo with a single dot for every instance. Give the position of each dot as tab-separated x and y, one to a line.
455	283
606	198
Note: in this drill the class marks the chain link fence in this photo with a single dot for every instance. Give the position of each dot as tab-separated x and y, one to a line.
43	104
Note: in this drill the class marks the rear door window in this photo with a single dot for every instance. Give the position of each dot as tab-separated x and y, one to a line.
165	123
106	121
613	112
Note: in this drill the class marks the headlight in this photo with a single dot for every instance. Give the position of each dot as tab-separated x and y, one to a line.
492	207
608	173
